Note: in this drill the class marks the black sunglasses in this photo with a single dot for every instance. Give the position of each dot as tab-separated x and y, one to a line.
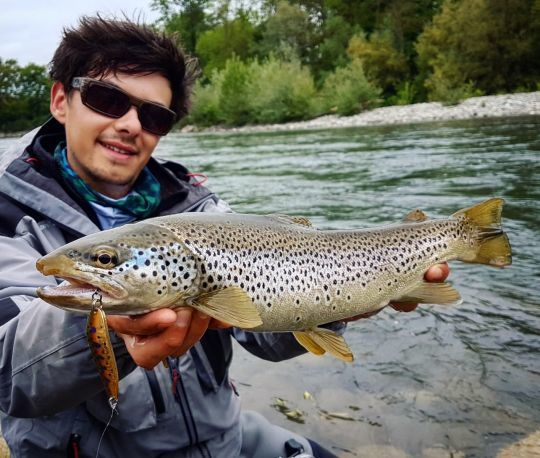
112	101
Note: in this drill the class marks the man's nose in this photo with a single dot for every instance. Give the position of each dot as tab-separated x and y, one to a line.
129	122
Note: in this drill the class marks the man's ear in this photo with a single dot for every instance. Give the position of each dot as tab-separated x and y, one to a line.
59	100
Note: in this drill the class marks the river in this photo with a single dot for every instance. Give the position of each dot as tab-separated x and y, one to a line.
439	381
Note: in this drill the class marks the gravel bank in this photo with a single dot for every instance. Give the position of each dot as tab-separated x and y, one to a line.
492	106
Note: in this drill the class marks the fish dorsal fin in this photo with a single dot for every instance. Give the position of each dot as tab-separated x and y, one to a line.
320	340
231	305
415	216
431	293
287	219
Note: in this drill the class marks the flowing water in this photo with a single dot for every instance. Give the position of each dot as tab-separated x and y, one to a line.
439	381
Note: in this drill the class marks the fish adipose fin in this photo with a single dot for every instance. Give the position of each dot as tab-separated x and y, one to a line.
431	293
231	305
415	216
319	341
493	248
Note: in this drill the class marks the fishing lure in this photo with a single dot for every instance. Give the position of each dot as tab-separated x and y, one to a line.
97	333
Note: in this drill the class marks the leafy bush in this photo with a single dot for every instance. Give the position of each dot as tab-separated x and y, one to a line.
347	91
271	91
441	89
205	110
233	95
280	91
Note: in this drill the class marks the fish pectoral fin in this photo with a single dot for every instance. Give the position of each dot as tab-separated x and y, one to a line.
431	293
231	305
320	340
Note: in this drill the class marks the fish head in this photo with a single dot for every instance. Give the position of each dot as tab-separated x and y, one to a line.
134	269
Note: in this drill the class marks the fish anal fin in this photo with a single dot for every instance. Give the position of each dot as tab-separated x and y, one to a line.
415	216
431	293
322	340
287	219
231	305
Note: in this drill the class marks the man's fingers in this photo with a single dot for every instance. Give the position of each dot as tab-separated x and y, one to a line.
404	306
216	324
148	350
437	273
147	324
196	329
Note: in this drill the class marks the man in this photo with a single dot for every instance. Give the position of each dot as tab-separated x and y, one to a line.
118	87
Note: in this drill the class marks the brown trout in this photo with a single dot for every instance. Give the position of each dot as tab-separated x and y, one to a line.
272	273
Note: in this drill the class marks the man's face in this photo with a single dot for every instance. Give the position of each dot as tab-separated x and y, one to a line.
105	152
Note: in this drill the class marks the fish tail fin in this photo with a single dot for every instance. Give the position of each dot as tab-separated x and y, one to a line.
493	246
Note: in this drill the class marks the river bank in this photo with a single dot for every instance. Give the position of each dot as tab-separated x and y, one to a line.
491	106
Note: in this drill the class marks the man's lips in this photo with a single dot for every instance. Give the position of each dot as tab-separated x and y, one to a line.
119	148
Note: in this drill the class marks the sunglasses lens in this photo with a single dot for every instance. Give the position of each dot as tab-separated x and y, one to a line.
112	102
106	100
156	119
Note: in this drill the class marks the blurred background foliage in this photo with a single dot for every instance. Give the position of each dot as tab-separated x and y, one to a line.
271	61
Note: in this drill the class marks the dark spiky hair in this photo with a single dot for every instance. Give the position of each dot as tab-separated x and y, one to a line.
100	46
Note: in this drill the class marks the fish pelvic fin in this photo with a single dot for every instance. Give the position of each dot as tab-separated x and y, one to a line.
431	293
319	341
231	305
494	247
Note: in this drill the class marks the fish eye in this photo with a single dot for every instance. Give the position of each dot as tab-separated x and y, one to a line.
105	258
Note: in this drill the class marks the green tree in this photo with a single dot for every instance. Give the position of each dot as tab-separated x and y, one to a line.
286	33
481	46
232	38
24	95
332	51
383	63
187	18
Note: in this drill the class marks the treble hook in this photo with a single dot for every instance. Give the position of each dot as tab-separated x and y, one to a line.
97	299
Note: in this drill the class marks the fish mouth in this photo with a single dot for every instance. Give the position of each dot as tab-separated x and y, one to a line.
79	287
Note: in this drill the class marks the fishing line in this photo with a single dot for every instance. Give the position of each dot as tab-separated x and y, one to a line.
113	411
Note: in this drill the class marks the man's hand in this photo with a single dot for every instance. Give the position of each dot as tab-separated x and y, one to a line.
151	337
436	273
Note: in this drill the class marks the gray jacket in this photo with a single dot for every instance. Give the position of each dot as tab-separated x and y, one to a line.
51	397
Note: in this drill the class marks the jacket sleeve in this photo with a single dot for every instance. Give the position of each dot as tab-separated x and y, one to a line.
45	361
